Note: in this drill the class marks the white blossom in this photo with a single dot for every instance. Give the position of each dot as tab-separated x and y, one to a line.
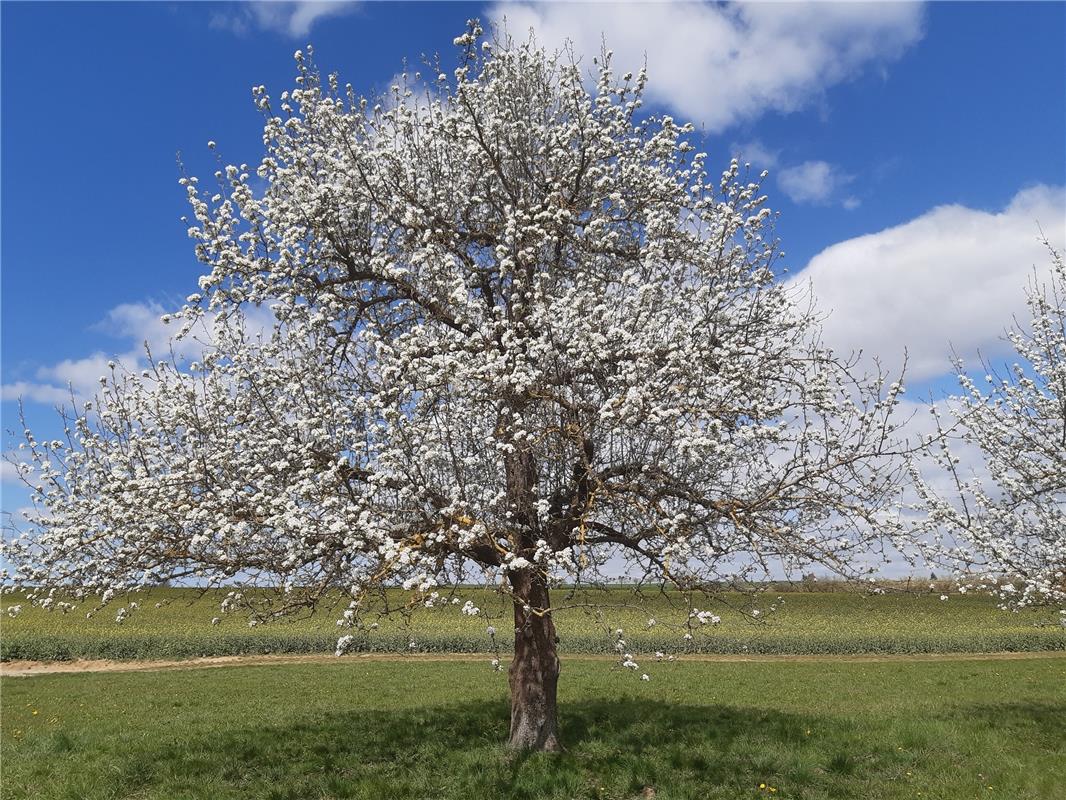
1004	523
520	330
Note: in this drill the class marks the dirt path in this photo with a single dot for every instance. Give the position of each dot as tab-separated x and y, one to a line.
23	669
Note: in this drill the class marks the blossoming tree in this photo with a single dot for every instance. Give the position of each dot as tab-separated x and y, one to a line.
519	331
1005	523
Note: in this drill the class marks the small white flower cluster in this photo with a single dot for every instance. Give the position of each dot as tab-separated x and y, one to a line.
1003	526
706	617
347	619
626	659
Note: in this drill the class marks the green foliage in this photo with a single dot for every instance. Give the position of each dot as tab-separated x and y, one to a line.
789	623
431	729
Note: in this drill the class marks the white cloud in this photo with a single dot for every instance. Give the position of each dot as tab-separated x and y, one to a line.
718	64
83	374
9	473
814	182
293	19
9	470
36	392
16	517
138	324
952	278
757	154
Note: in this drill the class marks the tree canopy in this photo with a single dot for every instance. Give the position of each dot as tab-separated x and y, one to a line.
1000	520
520	332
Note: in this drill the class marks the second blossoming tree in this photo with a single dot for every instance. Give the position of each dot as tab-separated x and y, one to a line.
999	520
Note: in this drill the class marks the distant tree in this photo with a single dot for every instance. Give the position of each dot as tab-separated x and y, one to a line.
521	333
1004	524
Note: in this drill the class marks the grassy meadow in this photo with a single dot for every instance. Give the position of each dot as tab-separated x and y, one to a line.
433	730
414	726
787	623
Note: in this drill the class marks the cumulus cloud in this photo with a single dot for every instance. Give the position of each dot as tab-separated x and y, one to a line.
757	154
811	182
136	326
141	322
292	19
10	461
54	383
952	279
36	392
718	64
9	473
137	323
815	182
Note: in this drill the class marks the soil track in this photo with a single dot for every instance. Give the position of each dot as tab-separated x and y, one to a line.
24	669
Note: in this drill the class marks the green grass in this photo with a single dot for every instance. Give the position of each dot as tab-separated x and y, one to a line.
803	622
429	730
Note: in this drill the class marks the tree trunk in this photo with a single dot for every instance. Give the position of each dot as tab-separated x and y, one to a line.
534	673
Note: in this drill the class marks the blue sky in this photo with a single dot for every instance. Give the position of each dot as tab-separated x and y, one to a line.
912	151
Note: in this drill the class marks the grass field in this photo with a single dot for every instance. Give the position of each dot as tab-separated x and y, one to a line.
432	730
797	622
414	727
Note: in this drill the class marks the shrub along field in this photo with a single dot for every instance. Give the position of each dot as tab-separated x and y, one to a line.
417	728
785	623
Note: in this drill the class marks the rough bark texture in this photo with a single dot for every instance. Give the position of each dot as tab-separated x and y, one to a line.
534	673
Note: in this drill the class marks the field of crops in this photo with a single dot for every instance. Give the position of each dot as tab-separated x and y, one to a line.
177	623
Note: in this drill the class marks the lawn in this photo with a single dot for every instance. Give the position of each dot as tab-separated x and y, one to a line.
788	622
414	728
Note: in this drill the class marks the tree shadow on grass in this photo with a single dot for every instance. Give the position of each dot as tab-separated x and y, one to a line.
614	750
